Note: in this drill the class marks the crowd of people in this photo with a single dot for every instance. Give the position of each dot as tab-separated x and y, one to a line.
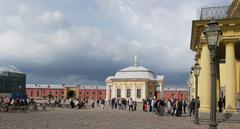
82	103
7	103
123	104
174	107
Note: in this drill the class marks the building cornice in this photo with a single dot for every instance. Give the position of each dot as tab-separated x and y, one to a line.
199	25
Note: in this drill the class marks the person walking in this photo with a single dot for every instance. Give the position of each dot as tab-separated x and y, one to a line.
224	102
169	106
184	104
113	102
153	104
192	107
157	103
92	103
135	105
102	103
177	108
72	104
162	106
174	109
220	104
180	108
130	104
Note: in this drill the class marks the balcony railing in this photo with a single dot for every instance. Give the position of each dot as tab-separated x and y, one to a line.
219	12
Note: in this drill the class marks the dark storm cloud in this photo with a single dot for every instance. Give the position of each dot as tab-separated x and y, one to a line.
87	41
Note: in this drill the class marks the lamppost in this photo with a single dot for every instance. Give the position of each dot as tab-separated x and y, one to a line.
196	70
212	34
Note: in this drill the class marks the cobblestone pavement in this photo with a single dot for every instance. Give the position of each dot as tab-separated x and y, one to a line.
99	119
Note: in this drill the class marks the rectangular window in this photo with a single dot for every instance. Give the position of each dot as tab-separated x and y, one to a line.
37	93
128	93
56	92
93	93
118	93
87	93
31	93
100	93
138	93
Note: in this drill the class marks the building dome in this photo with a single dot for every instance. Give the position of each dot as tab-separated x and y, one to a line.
135	72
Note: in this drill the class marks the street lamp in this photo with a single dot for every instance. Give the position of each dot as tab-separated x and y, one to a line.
196	69
212	34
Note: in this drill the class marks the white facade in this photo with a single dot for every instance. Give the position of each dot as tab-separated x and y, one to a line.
134	82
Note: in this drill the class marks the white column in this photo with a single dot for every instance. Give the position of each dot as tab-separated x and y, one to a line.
144	91
162	91
123	92
204	87
231	95
113	91
107	92
133	95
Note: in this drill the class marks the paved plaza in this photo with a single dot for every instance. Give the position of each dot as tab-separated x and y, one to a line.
99	119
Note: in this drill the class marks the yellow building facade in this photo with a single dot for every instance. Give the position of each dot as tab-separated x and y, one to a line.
134	82
228	55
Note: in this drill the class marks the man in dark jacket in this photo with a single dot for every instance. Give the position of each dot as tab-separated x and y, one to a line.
192	107
72	104
220	104
162	105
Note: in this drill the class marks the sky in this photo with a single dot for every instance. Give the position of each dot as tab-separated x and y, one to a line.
85	41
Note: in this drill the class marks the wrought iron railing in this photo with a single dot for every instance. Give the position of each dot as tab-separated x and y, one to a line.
219	12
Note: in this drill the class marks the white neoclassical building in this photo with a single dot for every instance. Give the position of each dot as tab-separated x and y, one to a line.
134	82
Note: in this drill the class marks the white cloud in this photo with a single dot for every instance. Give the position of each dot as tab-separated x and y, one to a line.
51	19
23	9
158	31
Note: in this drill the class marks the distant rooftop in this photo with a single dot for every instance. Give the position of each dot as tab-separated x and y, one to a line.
219	12
136	72
9	68
61	86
